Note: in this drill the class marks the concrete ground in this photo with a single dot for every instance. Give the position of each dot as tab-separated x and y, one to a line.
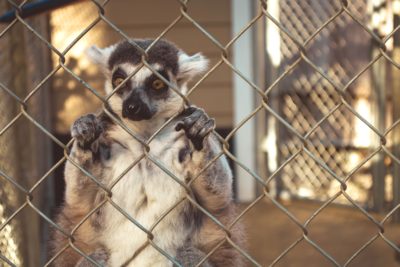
339	230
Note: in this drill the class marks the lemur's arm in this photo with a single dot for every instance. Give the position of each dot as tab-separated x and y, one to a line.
80	195
81	189
213	189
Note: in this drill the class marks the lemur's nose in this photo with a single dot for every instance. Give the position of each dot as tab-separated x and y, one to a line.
134	109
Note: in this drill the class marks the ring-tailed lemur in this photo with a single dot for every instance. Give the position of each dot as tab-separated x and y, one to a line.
185	146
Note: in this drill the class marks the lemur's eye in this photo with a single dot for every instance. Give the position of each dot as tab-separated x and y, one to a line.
117	81
158	84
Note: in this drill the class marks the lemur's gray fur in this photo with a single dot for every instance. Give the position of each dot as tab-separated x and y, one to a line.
184	147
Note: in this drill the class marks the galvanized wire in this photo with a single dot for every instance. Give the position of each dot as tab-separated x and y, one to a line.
264	94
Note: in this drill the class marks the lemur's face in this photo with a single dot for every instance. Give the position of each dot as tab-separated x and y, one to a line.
145	95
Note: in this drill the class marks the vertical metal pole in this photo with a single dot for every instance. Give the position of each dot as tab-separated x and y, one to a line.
378	105
40	106
272	62
259	56
379	111
242	13
396	111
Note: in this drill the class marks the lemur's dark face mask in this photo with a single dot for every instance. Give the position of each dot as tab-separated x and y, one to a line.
140	103
136	108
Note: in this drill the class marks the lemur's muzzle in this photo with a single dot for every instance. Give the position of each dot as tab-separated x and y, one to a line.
135	109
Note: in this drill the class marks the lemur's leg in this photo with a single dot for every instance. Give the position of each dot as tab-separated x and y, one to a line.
80	191
213	188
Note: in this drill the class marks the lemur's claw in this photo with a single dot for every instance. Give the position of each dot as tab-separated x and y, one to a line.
197	126
86	130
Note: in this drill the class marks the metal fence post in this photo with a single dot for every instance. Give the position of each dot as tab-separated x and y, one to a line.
378	80
242	12
395	83
259	58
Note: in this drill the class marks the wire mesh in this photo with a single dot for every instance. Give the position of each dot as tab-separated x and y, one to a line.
310	153
305	97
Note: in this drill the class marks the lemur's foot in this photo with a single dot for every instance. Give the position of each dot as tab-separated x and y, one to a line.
100	256
197	125
86	130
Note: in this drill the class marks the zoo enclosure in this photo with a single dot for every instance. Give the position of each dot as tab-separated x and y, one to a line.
310	101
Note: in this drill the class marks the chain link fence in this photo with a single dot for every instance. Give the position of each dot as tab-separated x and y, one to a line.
313	100
341	49
306	97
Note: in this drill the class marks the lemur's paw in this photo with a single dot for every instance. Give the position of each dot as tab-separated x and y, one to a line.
100	256
197	125
86	130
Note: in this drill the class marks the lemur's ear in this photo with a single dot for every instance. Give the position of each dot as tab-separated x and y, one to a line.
190	66
100	56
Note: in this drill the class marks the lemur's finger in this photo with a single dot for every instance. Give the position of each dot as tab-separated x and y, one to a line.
179	126
207	128
201	132
187	122
187	112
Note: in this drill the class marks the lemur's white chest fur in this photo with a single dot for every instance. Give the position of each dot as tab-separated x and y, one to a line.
145	193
